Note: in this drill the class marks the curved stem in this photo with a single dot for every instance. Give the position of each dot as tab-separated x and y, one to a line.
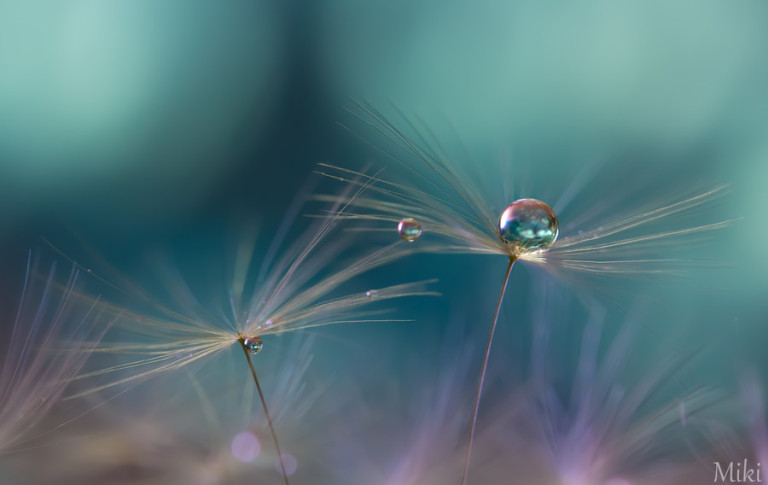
482	371
266	411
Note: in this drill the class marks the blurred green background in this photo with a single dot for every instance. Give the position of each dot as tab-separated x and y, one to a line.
139	123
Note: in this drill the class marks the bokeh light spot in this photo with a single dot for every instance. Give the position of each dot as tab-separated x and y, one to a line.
246	447
290	462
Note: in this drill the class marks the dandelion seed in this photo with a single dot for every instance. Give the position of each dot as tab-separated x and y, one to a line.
409	229
459	211
153	439
609	425
290	293
43	353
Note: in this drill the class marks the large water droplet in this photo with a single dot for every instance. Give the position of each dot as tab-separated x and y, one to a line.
409	229
253	344
528	225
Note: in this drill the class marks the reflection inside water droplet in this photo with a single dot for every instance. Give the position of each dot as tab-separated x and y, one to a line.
409	229
528	225
253	344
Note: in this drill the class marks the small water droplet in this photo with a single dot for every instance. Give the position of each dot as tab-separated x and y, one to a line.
528	225
409	229
372	294
253	344
268	323
683	414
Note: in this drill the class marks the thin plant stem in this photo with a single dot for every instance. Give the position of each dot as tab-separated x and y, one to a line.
482	371
266	411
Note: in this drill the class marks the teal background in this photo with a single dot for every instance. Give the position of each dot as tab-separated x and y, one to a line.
145	125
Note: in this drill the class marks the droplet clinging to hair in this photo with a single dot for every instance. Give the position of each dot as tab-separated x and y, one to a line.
372	294
253	344
528	225
409	229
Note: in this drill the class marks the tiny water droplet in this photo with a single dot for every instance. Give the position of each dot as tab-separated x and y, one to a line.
409	229
528	225
372	294
253	344
268	323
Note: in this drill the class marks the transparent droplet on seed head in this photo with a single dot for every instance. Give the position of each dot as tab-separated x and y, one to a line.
253	344
528	225
372	294
409	229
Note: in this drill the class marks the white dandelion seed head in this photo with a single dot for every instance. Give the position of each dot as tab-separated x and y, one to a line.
607	234
50	340
202	426
301	281
589	419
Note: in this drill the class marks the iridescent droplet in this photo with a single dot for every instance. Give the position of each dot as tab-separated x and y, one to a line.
409	229
528	225
253	344
372	294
